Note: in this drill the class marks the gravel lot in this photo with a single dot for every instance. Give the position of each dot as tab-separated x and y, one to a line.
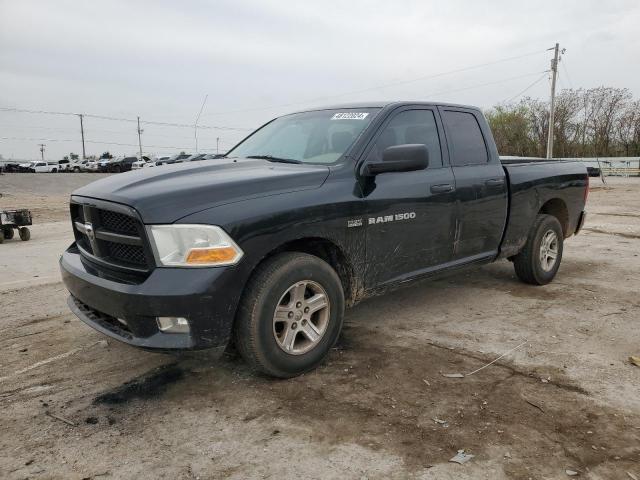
76	405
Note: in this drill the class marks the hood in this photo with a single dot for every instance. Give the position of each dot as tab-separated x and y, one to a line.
170	192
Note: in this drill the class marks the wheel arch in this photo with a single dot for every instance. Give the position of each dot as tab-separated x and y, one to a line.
557	208
329	251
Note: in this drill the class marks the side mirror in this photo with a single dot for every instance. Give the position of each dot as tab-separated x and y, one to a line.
400	158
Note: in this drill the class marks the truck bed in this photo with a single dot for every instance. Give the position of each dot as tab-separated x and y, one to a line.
535	184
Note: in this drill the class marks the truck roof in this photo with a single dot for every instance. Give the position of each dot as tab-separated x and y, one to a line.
383	104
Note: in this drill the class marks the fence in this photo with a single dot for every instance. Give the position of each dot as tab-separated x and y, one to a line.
613	166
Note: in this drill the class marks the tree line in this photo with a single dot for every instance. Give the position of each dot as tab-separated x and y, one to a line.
595	122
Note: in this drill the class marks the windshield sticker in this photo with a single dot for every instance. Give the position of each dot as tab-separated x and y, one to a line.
350	116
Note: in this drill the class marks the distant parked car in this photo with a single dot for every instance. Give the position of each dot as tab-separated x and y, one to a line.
156	161
121	164
140	163
91	166
26	166
104	165
44	167
191	158
174	159
211	156
64	165
11	167
78	165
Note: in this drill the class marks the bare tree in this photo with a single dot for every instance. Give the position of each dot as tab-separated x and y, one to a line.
601	121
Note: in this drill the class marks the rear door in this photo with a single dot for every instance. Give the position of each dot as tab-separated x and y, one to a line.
481	184
410	215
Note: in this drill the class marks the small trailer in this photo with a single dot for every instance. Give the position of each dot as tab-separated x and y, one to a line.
15	219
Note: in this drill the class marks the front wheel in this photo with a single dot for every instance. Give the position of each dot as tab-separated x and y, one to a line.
8	233
539	260
290	315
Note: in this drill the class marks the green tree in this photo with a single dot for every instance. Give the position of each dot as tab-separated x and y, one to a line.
511	129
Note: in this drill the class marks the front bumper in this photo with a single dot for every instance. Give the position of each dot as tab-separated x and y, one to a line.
207	297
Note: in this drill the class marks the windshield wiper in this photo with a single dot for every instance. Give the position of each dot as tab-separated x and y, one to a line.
271	158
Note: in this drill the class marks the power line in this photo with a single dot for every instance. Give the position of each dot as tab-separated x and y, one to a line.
563	62
35	139
326	97
98	129
544	74
497	82
195	124
378	87
119	119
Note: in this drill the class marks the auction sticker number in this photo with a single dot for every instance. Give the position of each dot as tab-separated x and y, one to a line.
350	116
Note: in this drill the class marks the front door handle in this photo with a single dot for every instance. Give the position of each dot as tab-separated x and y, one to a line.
442	188
494	182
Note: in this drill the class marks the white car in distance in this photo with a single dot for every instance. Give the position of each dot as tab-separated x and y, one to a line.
154	162
45	167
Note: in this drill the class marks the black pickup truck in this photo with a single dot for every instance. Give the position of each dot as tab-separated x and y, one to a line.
312	212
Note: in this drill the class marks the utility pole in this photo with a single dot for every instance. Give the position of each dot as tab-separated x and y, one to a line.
42	145
554	74
140	138
217	145
82	133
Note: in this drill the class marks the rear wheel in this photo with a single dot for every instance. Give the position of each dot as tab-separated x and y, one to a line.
290	315
539	260
25	233
8	233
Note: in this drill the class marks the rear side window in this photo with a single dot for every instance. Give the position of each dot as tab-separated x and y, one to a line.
467	142
410	126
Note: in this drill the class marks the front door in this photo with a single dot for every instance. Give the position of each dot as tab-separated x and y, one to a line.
410	221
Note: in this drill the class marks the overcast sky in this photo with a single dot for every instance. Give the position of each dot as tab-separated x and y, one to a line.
258	59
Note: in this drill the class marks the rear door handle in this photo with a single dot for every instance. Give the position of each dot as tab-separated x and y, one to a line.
442	188
494	182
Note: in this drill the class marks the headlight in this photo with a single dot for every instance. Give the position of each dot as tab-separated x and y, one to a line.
193	246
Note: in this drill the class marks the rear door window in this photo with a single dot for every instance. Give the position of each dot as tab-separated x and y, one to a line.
466	140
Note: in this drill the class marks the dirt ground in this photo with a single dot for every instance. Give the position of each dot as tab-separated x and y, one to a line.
74	404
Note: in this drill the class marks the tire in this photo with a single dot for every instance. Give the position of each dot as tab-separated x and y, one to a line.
76	170
286	282
116	169
534	264
1	239
55	170
8	233
25	233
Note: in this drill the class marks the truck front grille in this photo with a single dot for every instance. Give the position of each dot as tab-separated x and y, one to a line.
110	238
126	253
118	222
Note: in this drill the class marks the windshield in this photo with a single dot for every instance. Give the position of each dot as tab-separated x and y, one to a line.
309	137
